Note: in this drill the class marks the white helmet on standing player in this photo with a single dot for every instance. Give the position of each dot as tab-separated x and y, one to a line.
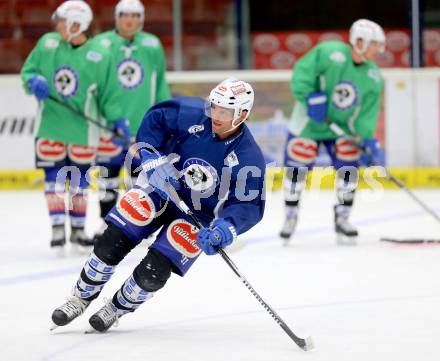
74	11
368	31
232	94
130	7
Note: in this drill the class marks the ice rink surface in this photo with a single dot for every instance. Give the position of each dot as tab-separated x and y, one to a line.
373	301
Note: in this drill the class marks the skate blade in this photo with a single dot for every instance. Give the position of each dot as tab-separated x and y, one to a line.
343	240
78	250
59	251
286	241
285	238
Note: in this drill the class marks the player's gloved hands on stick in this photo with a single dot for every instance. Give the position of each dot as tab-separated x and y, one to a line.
159	171
38	86
220	234
371	152
122	135
317	106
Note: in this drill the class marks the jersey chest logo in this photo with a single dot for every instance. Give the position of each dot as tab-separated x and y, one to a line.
66	81
130	73
199	175
345	95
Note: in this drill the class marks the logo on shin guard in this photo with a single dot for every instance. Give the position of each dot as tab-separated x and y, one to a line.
182	235
49	150
346	151
136	207
302	150
106	147
81	154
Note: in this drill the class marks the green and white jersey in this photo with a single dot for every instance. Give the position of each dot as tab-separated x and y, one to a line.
77	76
353	92
140	71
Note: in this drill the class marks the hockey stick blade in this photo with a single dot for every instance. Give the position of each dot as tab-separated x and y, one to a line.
341	133
305	344
410	240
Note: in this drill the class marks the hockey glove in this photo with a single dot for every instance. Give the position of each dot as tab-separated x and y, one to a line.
220	234
122	136
38	86
159	171
370	153
317	106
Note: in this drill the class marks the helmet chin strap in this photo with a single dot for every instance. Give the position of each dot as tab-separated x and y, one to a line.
360	53
234	126
70	35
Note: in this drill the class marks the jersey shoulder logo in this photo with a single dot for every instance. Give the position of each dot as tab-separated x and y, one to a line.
231	160
106	43
199	175
374	74
130	73
94	56
52	43
66	81
196	128
338	57
345	95
150	42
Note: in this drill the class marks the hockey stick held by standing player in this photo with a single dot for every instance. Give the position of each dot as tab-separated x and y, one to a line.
304	343
77	112
120	134
340	132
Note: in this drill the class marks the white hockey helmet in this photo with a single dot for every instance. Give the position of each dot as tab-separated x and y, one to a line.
233	94
368	31
74	11
130	7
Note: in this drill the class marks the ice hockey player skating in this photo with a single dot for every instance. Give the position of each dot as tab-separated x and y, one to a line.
218	171
334	83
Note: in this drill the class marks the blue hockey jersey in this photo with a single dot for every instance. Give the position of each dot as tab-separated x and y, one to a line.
222	178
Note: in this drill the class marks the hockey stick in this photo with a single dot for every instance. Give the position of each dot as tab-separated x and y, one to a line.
305	344
410	240
340	132
77	112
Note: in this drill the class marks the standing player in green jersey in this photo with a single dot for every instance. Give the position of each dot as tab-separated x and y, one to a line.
139	74
334	83
67	70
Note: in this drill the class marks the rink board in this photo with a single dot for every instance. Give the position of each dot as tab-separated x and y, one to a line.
319	178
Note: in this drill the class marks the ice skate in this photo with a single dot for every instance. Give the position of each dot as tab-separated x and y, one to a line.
58	240
289	225
346	234
70	310
106	317
79	237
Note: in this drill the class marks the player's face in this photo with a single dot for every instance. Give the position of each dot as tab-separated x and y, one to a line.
61	27
373	50
221	118
129	23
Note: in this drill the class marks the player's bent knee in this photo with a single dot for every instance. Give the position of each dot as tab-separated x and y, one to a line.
113	245
153	271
